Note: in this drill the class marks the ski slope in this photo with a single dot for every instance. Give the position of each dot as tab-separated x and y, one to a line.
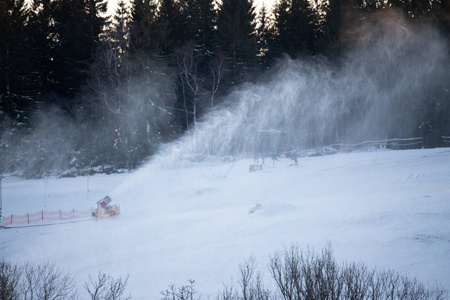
389	209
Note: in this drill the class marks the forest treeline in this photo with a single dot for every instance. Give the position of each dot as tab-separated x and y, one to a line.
79	88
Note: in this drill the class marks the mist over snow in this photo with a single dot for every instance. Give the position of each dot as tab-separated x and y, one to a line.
393	80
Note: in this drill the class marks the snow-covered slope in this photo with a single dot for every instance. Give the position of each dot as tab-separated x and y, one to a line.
389	209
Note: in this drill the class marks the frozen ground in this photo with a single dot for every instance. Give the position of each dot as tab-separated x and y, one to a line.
389	209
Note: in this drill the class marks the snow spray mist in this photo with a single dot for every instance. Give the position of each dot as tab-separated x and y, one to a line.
382	88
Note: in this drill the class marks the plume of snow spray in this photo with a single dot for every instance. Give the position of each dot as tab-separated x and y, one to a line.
382	89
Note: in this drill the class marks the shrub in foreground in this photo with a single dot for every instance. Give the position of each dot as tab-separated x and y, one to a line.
307	275
45	282
297	274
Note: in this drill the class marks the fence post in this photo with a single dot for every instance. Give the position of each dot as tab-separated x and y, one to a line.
73	213
60	215
28	218
11	219
42	215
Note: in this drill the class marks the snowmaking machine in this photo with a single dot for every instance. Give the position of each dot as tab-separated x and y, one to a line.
105	210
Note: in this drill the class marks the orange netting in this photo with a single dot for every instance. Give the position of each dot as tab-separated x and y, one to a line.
45	217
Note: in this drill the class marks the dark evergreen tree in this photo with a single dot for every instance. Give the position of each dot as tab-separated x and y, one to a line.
170	26
371	5
331	28
416	9
77	27
236	38
96	10
143	31
265	36
16	62
281	25
199	20
117	43
102	102
295	27
192	59
132	88
441	9
42	33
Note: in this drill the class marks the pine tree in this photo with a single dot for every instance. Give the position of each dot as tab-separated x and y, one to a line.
331	28
135	97
192	58
295	27
416	9
143	32
118	41
441	9
265	36
96	10
170	26
77	27
199	20
281	14
16	62
42	33
236	37
105	77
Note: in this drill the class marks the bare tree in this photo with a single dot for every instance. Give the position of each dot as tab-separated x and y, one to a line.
31	281
217	67
185	292
9	281
357	279
227	293
251	282
106	288
285	270
47	282
307	275
250	285
188	64
247	270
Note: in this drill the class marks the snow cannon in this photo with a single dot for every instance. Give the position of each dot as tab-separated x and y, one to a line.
105	210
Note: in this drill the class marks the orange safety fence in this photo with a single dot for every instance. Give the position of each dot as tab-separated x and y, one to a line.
45	217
